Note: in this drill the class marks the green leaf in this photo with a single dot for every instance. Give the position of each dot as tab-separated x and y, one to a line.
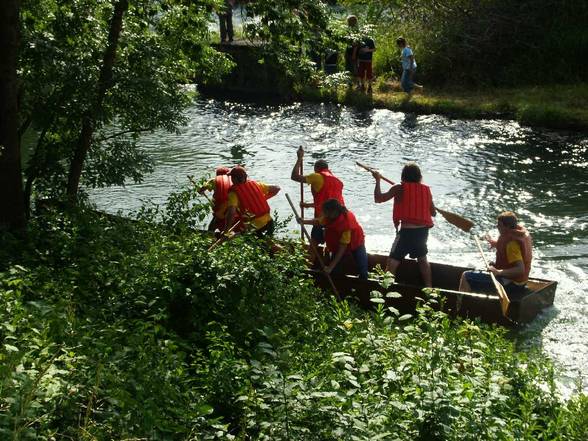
11	348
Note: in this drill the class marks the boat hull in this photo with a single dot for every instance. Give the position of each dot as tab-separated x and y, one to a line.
408	284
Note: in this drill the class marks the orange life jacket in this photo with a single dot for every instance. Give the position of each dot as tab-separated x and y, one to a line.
252	201
413	206
332	189
334	230
222	185
522	236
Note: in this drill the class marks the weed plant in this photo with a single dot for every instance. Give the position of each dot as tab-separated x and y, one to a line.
130	329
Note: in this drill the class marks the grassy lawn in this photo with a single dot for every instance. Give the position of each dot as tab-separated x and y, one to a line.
557	107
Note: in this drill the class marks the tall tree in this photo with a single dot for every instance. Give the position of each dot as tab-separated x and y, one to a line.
11	193
104	83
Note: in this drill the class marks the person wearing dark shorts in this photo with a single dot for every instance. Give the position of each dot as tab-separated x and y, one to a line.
412	215
514	254
364	66
480	281
411	242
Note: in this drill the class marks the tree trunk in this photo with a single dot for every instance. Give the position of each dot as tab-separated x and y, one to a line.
89	119
11	192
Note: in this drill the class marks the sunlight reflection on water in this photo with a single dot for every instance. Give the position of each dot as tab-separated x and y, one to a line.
476	168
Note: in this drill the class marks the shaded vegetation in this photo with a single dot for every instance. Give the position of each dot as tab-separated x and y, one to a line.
113	329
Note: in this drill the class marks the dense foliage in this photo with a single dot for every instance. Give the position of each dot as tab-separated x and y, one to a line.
117	329
490	42
68	83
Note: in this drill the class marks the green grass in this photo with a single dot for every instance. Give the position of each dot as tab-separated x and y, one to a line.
556	107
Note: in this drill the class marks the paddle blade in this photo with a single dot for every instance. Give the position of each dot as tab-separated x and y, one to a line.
504	301
455	219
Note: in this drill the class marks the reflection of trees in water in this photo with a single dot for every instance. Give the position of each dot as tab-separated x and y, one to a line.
409	122
238	152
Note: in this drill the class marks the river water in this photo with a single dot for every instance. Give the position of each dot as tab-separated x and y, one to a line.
475	168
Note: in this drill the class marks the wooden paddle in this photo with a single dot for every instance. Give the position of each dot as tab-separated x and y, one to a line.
224	237
301	197
504	301
454	219
313	248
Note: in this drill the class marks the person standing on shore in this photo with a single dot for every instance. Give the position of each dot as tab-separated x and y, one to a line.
408	66
364	63
412	216
352	48
225	17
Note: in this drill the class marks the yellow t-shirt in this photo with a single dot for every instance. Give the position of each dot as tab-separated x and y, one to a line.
316	181
345	236
260	221
514	254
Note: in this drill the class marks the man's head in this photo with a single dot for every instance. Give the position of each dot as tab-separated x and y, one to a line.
222	171
400	42
332	209
320	165
507	220
411	173
238	174
352	21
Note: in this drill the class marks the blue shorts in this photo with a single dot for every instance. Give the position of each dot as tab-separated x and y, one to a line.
318	233
361	262
480	281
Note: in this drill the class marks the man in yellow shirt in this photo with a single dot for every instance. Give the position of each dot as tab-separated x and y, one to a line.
249	199
514	254
324	185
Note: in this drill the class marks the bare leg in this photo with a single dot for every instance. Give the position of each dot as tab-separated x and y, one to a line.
425	269
392	265
463	284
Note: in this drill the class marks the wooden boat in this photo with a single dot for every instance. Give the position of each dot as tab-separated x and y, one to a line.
408	283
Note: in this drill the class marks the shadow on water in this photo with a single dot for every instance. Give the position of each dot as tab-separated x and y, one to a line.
475	168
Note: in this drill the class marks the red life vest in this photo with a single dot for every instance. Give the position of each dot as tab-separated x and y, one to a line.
332	189
413	206
522	236
334	230
252	201
222	185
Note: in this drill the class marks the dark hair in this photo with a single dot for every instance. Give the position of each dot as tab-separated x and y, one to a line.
508	219
351	20
321	164
238	174
411	173
222	171
333	206
401	41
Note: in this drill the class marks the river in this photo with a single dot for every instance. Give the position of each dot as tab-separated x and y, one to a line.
475	168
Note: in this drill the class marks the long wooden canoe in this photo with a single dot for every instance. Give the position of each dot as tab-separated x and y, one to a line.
408	283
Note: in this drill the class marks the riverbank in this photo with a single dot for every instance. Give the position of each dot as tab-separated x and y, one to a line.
562	107
151	333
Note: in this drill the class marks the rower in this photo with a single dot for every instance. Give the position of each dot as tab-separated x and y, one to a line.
343	235
220	186
324	185
412	216
514	253
248	199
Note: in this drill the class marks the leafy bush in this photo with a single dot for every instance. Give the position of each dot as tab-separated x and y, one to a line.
114	328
